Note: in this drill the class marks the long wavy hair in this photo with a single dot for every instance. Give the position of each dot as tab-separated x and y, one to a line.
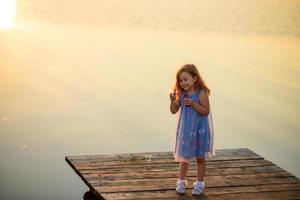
191	69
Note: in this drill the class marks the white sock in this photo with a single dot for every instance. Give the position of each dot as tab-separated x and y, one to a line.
200	182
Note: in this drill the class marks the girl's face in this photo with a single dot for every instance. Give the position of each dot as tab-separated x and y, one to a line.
187	81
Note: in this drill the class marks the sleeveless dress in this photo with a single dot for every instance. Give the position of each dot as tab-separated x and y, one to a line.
194	133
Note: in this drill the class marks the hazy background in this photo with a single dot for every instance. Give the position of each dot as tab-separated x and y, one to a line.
94	77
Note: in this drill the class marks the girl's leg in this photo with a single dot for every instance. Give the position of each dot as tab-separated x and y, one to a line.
184	166
201	163
199	184
182	182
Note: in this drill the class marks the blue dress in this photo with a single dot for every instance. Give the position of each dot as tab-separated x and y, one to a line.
195	133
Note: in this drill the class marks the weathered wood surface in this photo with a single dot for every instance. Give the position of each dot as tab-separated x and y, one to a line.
231	174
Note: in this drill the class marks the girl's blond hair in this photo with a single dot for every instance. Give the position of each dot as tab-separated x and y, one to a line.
191	69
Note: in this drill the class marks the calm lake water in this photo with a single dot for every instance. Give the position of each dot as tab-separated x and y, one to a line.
95	79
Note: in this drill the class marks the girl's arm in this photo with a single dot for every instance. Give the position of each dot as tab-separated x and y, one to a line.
203	108
174	106
175	103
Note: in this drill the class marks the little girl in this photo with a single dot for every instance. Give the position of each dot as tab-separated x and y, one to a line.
194	134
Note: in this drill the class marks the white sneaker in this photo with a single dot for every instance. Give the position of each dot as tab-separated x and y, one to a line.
180	186
198	188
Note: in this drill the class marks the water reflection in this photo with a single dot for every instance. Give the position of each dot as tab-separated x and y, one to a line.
7	13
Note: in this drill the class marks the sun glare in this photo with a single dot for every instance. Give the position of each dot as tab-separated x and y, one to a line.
7	13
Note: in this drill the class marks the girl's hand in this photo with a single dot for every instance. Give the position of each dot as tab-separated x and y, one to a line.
172	97
189	102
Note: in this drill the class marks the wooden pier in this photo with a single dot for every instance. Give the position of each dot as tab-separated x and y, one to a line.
231	174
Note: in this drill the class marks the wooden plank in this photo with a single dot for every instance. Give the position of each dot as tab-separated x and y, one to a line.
99	163
212	191
237	196
168	183
174	173
258	196
223	154
166	167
